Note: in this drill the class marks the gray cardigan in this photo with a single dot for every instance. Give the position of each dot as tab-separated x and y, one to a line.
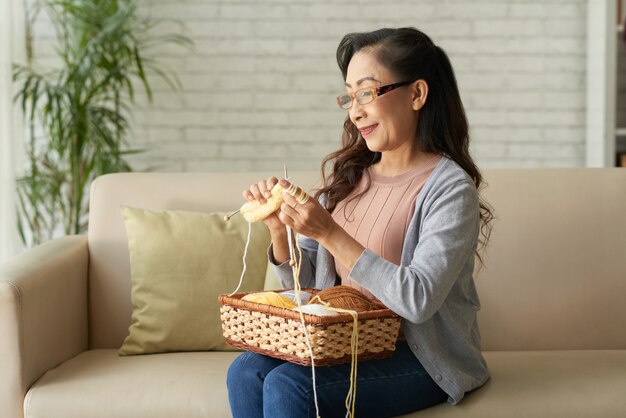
432	289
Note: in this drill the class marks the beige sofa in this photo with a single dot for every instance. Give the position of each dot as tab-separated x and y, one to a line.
553	316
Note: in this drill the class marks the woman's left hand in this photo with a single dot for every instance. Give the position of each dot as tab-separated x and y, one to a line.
309	219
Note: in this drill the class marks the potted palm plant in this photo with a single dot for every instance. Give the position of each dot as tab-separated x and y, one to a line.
78	114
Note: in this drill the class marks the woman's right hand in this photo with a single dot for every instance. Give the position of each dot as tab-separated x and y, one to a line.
260	192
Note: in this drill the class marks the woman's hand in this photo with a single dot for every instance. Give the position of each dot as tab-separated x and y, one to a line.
309	219
260	192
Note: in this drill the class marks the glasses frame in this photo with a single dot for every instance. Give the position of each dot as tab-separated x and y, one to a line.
376	92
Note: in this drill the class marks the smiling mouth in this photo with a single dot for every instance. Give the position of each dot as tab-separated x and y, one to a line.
368	129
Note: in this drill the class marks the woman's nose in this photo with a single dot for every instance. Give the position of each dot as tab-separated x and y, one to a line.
357	111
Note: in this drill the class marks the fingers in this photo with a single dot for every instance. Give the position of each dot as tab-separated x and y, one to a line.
294	203
271	182
285	183
293	213
255	191
260	191
286	215
288	210
263	192
301	218
266	186
298	193
290	201
287	198
249	193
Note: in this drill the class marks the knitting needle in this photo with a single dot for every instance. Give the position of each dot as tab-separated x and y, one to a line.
292	260
230	215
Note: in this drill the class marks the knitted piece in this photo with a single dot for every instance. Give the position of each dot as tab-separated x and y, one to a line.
254	211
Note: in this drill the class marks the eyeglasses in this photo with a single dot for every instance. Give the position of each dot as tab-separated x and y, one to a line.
367	95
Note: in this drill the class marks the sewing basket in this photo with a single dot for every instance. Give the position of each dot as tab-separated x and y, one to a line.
277	332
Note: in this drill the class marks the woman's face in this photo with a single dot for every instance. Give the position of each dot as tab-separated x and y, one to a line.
389	122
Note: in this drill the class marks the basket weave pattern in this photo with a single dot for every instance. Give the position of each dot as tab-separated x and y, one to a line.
277	332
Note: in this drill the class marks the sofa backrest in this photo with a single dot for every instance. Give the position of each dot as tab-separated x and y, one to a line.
109	265
554	274
555	270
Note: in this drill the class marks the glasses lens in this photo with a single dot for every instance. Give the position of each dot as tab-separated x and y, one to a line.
365	96
344	101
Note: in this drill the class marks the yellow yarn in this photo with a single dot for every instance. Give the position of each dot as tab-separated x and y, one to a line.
354	340
275	299
296	292
282	301
270	298
354	351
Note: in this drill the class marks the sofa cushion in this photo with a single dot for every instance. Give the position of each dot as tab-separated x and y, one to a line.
180	262
573	384
110	307
99	383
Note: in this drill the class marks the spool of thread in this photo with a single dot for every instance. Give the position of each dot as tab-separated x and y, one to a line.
346	297
270	298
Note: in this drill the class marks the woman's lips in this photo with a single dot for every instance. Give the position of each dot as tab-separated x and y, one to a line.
368	129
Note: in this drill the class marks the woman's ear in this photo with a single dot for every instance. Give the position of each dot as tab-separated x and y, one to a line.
420	93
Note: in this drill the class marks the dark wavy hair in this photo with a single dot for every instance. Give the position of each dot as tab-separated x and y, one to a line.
442	128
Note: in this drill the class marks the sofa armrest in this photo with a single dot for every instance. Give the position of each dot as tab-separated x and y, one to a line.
43	315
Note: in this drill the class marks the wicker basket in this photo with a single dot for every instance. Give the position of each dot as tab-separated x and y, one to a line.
277	332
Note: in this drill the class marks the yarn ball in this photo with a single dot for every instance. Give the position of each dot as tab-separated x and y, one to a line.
346	297
270	298
316	309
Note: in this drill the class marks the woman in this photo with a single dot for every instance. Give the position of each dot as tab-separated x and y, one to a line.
399	218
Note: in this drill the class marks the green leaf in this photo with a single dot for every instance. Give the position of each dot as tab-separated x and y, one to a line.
82	107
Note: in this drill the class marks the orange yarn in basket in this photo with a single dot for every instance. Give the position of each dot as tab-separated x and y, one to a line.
346	297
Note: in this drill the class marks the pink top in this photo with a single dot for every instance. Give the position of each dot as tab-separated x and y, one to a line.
378	219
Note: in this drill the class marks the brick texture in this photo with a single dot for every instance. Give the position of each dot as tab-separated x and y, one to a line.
258	89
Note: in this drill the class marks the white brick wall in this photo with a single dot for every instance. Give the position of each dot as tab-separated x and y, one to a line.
259	88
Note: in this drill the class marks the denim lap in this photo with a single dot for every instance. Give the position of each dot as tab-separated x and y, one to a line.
262	386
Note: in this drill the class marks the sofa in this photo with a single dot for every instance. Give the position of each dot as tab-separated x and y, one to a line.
552	289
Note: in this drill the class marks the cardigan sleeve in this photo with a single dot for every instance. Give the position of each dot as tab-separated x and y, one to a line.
284	271
444	243
309	248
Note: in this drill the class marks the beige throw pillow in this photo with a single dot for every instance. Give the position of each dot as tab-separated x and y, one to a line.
180	262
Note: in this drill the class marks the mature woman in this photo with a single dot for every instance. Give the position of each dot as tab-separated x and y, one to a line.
399	218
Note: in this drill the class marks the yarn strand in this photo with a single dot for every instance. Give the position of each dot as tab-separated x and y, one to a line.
354	351
296	264
245	252
296	291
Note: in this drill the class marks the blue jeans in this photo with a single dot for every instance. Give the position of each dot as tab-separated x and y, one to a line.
261	386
